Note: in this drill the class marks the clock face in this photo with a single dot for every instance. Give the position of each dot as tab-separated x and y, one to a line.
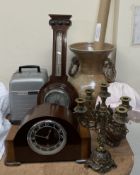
47	137
57	96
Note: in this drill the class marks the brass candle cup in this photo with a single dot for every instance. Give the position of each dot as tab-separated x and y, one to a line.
126	102
120	115
89	96
80	108
104	90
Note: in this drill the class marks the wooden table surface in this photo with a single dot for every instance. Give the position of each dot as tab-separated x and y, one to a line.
122	155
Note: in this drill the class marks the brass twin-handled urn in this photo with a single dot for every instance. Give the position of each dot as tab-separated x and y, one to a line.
93	67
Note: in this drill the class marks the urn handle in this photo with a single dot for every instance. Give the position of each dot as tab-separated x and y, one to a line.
109	70
74	66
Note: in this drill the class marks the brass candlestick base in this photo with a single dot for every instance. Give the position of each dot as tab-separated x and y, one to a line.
101	161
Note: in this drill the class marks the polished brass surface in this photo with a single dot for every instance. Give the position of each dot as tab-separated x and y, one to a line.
125	102
108	124
91	66
120	115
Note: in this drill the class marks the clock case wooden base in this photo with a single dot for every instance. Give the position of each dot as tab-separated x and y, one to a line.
78	138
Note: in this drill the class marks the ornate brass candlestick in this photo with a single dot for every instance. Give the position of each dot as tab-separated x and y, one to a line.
109	125
101	159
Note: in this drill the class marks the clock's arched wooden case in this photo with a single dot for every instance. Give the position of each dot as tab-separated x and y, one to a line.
17	147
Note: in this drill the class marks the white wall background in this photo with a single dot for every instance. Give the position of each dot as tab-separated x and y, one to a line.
128	55
128	67
26	38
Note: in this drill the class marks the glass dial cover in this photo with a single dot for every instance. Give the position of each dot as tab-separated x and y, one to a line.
58	53
47	137
57	96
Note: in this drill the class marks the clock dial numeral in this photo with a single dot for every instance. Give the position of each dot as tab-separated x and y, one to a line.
47	137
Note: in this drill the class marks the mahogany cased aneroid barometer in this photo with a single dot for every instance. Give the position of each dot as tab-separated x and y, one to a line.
48	133
58	90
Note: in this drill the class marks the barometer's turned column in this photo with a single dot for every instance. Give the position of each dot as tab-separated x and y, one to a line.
60	25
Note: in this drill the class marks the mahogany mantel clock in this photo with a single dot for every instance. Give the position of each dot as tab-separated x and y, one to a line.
58	90
48	133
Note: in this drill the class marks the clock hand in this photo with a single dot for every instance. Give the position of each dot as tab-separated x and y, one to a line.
40	136
47	137
44	137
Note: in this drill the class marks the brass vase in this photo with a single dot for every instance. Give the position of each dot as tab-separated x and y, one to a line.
92	71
